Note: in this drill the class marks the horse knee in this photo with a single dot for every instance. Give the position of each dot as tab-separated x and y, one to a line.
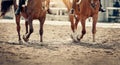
41	32
83	32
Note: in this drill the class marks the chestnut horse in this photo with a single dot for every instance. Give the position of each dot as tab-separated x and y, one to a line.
35	9
83	9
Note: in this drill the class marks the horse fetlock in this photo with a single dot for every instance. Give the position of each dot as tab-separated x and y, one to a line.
83	32
41	40
31	30
41	32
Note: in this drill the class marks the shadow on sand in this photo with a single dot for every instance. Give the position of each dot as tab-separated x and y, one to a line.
53	45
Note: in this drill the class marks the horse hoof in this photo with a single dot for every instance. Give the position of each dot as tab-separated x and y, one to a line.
41	40
94	41
25	39
74	39
78	38
71	36
20	42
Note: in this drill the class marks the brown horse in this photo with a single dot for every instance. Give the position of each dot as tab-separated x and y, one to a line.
83	10
35	9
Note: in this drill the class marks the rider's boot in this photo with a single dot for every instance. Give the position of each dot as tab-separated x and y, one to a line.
21	2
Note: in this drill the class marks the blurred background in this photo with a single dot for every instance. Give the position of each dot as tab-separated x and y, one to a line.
60	12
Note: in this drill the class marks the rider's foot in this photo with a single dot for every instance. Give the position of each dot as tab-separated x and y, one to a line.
102	10
71	11
49	11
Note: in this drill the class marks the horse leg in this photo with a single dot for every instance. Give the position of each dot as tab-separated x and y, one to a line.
75	30
71	17
18	27
83	29
26	21
26	25
95	17
26	36
42	20
76	23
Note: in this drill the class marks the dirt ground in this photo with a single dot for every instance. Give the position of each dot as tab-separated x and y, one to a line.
58	48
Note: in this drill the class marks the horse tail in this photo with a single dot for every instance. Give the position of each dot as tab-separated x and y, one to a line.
68	4
5	6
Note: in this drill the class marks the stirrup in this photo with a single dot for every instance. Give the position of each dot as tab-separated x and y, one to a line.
102	10
17	12
71	11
